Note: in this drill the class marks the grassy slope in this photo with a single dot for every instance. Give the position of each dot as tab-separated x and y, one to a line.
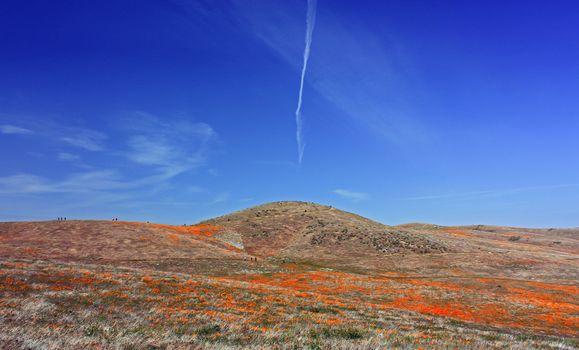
50	305
131	285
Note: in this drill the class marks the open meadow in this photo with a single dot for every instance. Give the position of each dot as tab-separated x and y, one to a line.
231	283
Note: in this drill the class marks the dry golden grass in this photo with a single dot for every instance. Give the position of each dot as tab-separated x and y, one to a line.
70	306
104	285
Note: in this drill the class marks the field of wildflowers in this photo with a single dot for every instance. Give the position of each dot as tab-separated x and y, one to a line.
70	306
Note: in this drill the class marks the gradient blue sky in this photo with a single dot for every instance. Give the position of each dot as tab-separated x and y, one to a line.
449	112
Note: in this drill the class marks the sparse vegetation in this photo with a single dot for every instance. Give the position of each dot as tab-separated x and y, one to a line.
220	299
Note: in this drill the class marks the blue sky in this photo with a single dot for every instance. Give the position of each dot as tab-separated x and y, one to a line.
174	111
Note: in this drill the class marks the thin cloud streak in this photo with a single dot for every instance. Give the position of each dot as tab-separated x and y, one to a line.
46	128
170	147
86	139
67	156
310	24
85	182
219	198
489	193
372	84
155	152
356	196
8	129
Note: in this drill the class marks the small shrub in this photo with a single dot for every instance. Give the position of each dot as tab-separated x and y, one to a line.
208	330
91	331
491	337
345	333
350	333
319	309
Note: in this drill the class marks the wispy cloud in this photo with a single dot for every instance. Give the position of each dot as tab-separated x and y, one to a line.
89	140
79	182
14	130
142	158
356	196
164	148
489	193
49	129
83	182
220	197
366	75
150	151
68	156
170	147
310	24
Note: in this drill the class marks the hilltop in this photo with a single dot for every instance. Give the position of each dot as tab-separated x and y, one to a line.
309	230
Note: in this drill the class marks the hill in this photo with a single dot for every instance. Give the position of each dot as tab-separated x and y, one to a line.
308	230
286	275
165	247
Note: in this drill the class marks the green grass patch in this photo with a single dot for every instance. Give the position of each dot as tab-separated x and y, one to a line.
491	337
92	331
318	309
344	333
208	330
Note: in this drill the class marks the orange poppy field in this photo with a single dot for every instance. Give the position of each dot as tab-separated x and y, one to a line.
159	288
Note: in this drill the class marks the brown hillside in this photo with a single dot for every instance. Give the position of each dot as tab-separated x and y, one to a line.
308	230
287	275
190	248
300	232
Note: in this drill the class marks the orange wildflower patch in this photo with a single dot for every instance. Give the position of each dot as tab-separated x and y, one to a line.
86	279
507	307
29	251
14	285
436	284
173	237
201	230
207	230
549	301
457	232
572	290
16	265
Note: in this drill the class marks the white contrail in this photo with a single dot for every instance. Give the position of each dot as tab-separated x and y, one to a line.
310	23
